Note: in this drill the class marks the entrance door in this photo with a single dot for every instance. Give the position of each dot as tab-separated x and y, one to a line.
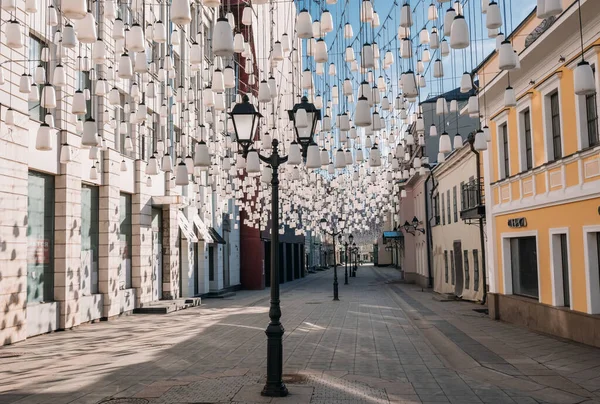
196	269
458	268
156	254
226	255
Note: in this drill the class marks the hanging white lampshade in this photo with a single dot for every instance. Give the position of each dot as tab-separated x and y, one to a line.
362	115
202	156
69	37
458	141
321	51
438	69
409	84
306	79
253	162
367	56
434	42
31	6
43	140
48	99
247	16
510	99
444	48
441	106
13	35
99	52
548	8
375	157
406	20
406	51
480	143
473	106
73	9
313	160
466	84
181	174
304	25
125	67
453	106
135	39
59	76
180	12
459	36
295	154
366	13
78	107
89	138
223	38
488	133
324	157
507	56
86	29
433	130
167	163
584	79
493	18
432	12
445	145
326	22
340	159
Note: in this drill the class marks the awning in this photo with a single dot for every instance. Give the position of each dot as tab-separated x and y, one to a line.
203	230
216	236
186	227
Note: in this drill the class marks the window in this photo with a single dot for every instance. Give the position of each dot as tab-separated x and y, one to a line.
555	118
523	261
446	265
125	231
564	258
467	273
454	201
526	115
36	111
84	82
90	232
505	152
436	209
40	236
452	266
591	109
448	206
475	270
443	211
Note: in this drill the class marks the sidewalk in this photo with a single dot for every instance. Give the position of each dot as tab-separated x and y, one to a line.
383	342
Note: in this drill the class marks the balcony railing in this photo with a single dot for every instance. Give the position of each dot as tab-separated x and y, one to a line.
472	200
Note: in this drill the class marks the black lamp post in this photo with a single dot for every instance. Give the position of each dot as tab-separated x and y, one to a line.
333	234
355	250
413	226
346	244
245	122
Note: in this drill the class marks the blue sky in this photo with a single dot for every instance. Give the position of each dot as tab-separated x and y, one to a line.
389	13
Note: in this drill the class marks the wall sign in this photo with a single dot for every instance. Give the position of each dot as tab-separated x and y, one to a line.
517	223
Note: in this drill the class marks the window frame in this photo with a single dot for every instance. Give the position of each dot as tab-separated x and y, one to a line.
547	89
467	269
556	126
591	244
525	133
446	265
476	275
448	208
34	63
583	136
506	260
455	203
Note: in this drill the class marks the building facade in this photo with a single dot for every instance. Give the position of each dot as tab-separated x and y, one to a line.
89	234
542	182
457	252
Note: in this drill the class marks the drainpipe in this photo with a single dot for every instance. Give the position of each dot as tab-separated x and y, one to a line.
428	228
481	222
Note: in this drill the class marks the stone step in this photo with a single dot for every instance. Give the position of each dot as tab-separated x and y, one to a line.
168	306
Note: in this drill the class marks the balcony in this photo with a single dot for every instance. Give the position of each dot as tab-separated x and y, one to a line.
472	200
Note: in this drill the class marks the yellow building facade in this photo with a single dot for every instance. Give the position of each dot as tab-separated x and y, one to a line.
542	171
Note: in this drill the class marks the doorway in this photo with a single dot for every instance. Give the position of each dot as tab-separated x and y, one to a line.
458	269
157	256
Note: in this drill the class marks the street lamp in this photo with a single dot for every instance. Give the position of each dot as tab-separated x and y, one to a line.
245	123
355	250
346	244
305	116
413	227
333	234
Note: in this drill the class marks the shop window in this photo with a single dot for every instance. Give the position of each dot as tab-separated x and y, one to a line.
555	126
446	266
592	267
467	272
40	236
125	230
524	267
475	270
90	220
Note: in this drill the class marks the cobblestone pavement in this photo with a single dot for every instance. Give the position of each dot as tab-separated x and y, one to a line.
384	342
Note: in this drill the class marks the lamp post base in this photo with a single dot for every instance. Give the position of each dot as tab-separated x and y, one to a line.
275	390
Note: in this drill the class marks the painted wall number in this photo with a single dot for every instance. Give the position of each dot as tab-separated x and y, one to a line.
517	222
